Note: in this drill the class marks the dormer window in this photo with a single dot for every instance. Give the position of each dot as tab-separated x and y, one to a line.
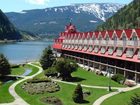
134	37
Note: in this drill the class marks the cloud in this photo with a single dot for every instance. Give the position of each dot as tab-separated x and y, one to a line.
37	2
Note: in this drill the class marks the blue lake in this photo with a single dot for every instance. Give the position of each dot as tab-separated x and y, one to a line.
21	52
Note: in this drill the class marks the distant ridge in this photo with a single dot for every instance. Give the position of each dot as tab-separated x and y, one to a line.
51	21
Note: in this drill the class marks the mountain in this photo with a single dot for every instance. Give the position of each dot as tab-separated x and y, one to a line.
7	30
127	17
51	21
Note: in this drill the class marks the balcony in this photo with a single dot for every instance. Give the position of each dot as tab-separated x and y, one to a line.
119	51
138	43
85	42
104	43
111	43
96	49
85	48
80	47
76	47
139	54
131	43
96	42
110	50
90	48
119	43
103	49
129	53
91	42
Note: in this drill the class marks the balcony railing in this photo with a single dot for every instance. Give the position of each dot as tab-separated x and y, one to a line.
139	43
119	52
76	47
103	49
129	53
85	42
104	42
119	43
91	42
139	54
80	47
90	48
111	43
96	42
110	51
96	49
130	43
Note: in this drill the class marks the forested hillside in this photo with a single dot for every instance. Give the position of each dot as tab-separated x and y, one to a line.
7	30
125	18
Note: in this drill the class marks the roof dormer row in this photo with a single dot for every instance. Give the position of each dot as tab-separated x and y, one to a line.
128	33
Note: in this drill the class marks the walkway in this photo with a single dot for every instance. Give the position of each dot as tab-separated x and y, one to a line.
18	100
103	98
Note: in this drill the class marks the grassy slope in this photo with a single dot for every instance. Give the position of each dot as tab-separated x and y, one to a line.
65	94
18	71
121	99
90	78
21	70
5	96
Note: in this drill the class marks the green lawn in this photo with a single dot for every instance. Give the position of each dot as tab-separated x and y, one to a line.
34	69
65	94
21	70
18	71
90	78
121	99
5	96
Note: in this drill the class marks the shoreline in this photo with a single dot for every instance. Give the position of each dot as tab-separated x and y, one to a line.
8	41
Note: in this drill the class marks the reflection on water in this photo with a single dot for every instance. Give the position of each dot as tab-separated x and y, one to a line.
21	52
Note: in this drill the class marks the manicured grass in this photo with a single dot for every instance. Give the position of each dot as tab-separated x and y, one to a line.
5	96
65	95
36	63
90	78
18	71
34	69
121	99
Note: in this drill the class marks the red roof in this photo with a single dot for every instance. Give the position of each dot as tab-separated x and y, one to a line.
91	34
110	33
96	34
128	33
103	33
119	33
138	32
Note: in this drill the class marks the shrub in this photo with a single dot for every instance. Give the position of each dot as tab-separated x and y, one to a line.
0	83
38	79
51	72
118	78
78	94
135	100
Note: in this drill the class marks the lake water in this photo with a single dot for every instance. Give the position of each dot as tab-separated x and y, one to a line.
21	52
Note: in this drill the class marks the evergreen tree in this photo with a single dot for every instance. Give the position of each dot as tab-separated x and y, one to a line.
135	100
78	94
4	66
47	58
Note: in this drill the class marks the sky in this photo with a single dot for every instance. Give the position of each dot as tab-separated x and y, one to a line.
19	5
